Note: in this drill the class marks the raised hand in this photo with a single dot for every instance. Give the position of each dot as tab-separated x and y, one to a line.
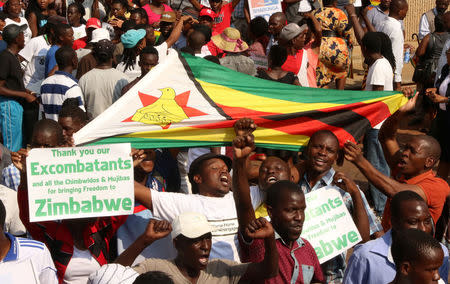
138	156
244	126
344	182
156	229
432	94
411	104
19	159
352	152
243	146
259	229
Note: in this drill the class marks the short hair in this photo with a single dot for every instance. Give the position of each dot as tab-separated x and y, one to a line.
128	25
280	15
278	55
324	132
433	148
141	12
49	125
64	56
154	277
401	197
71	109
412	245
397	5
80	9
61	29
150	50
328	2
205	30
259	26
2	215
274	191
122	2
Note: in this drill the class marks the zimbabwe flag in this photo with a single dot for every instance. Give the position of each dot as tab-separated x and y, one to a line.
188	101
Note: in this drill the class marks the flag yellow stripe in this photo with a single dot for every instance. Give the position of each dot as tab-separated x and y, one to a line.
393	102
262	135
234	98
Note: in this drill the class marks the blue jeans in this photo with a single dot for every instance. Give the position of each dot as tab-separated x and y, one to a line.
11	115
374	154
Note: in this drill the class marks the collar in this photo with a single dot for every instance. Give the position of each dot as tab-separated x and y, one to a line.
383	246
326	180
418	178
300	242
66	74
13	253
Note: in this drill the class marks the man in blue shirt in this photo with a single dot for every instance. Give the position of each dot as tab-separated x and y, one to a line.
63	37
372	262
322	153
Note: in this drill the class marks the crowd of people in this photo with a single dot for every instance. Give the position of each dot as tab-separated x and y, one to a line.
235	214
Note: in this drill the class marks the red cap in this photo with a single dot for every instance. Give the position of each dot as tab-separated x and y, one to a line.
207	12
93	23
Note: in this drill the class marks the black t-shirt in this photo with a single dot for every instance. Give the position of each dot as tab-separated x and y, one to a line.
11	72
289	78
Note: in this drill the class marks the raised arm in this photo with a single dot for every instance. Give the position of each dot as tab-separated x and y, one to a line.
243	145
387	134
155	230
176	32
317	31
268	268
142	193
359	31
384	183
359	213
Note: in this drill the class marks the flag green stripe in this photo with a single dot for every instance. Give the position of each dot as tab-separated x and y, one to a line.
145	143
220	75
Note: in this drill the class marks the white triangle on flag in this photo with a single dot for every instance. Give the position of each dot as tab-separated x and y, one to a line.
163	112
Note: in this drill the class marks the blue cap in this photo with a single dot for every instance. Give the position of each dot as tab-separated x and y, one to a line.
132	37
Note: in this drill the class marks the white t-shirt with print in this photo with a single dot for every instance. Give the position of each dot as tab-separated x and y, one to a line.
220	212
79	32
34	53
380	74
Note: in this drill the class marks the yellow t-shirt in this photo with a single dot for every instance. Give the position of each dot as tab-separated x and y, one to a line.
261	211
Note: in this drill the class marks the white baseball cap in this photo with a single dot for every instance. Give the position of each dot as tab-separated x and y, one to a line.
99	34
191	225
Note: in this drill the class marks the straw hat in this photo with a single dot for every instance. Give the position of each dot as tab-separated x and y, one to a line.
230	40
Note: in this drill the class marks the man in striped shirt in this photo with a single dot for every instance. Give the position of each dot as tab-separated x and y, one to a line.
60	86
26	253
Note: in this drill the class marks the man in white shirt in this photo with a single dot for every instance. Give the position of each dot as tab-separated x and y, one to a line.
211	183
393	29
426	25
13	225
23	260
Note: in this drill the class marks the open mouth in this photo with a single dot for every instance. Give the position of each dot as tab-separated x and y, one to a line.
319	161
271	179
401	163
224	180
204	259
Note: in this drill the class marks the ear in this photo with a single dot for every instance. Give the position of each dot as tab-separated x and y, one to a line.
429	162
198	178
405	268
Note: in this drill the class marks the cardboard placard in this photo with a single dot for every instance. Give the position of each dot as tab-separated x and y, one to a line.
264	8
328	225
81	182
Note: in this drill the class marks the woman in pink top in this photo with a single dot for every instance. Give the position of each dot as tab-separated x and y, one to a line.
155	9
